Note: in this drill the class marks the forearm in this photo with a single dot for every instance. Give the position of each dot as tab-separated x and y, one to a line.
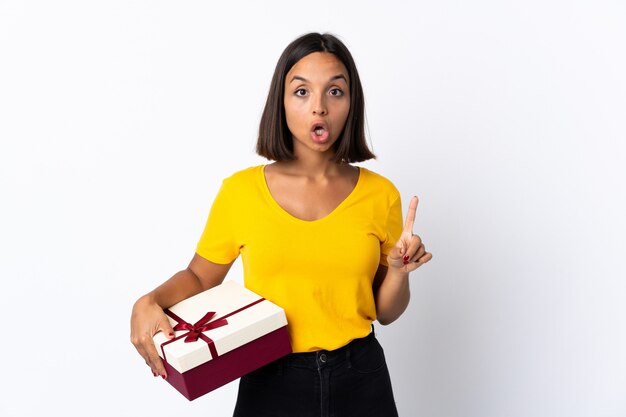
147	317
200	275
180	286
392	295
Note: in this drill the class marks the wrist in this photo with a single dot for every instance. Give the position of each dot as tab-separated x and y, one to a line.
397	272
146	300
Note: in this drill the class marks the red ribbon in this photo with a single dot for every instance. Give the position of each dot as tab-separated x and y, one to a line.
196	330
200	326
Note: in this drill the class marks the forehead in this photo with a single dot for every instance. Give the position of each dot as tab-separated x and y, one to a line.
317	65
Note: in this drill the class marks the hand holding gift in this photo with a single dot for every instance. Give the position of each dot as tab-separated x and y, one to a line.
148	319
209	339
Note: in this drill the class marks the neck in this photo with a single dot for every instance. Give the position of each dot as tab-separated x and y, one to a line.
312	169
314	165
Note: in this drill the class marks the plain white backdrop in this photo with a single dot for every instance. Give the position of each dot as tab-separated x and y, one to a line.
119	119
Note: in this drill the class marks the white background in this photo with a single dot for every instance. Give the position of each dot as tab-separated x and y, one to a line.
119	119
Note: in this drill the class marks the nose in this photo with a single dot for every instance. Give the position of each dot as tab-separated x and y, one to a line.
319	107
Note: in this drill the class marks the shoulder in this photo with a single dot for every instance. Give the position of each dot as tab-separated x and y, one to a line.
378	183
243	178
240	186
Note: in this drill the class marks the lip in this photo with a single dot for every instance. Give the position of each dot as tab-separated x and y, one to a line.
324	137
319	123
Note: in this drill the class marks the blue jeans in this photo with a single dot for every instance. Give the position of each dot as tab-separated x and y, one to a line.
350	381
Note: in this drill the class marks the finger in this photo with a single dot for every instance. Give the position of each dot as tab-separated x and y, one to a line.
423	259
167	329
395	257
140	344
154	374
410	215
401	249
143	353
413	246
412	266
154	360
421	251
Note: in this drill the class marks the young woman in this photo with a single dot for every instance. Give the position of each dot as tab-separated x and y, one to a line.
318	236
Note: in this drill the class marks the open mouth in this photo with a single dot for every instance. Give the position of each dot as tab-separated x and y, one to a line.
319	129
319	132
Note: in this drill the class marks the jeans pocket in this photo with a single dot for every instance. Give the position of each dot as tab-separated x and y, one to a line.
368	358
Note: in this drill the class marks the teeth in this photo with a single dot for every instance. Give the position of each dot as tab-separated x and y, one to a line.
319	131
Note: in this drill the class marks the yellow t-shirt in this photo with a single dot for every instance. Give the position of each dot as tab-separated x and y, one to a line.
320	272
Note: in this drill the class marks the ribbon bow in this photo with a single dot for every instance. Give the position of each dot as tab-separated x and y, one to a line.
196	329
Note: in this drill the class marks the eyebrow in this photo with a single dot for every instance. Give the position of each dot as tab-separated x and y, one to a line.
336	77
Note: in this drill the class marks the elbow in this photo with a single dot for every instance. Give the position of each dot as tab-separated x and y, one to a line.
387	314
386	320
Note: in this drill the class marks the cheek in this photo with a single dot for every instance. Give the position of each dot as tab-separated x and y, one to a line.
293	112
343	118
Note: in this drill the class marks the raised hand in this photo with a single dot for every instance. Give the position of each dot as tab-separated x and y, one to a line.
409	252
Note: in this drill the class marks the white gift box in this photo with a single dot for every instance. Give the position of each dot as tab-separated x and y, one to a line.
248	332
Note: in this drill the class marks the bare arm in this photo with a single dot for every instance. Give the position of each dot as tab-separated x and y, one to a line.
392	294
148	318
391	284
200	275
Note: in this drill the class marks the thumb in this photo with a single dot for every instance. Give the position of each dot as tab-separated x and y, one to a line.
397	251
167	329
401	248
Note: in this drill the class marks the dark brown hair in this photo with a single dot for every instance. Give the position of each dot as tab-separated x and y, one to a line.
275	141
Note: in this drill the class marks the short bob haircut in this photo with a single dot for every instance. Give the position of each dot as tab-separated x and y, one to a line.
275	141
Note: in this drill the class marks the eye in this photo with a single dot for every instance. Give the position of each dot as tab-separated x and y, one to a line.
301	92
336	92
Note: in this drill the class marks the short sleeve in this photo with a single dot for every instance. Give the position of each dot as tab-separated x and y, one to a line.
218	242
393	229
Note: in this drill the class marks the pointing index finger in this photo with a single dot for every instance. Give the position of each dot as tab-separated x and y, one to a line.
410	215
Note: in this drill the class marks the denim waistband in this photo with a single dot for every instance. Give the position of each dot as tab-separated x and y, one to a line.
325	358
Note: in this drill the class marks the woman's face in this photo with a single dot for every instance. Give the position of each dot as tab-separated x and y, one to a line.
317	102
